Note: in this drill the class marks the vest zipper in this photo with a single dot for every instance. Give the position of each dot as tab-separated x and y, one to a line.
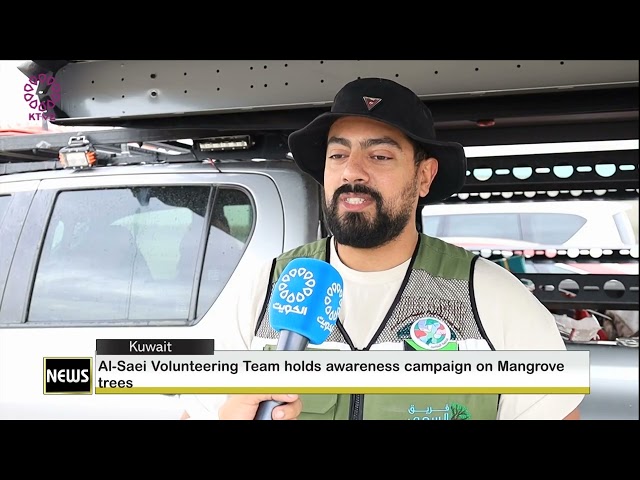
355	406
356	401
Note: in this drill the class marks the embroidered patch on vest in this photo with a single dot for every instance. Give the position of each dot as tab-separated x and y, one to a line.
430	333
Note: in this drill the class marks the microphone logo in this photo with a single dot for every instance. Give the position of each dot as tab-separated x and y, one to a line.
333	301
296	285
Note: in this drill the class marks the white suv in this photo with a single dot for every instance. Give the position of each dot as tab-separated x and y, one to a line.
536	225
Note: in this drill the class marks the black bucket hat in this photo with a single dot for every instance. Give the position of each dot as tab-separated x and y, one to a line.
389	102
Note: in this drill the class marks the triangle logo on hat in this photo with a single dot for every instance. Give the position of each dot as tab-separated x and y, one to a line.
371	102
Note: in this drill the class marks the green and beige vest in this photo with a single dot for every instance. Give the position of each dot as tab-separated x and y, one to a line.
438	284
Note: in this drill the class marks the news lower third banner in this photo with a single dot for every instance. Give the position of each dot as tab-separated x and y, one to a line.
186	366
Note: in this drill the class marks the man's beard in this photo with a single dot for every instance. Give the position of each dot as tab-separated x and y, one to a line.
360	229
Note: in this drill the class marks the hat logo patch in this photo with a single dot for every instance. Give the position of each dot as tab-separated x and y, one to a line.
371	102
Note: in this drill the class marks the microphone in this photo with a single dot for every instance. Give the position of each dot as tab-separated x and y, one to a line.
304	309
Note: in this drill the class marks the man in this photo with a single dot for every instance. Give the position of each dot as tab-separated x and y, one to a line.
378	159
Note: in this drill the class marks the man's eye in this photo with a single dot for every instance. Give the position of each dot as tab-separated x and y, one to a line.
380	157
337	156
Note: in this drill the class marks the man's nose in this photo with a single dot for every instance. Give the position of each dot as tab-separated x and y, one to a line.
355	170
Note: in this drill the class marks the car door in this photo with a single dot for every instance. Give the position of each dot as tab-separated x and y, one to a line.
123	256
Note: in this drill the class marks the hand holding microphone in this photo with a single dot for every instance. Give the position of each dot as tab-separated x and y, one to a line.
304	308
244	407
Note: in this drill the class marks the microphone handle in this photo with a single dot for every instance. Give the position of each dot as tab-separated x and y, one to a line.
265	409
290	341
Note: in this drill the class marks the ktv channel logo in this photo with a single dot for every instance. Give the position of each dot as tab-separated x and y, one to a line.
42	94
71	375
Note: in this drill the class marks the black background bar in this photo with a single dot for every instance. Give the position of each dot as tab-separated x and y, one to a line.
155	346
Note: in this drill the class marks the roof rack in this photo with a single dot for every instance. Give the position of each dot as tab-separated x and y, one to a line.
474	102
111	92
116	146
543	176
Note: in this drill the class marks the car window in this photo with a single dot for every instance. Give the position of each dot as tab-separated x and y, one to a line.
230	229
135	254
431	225
550	228
489	225
5	200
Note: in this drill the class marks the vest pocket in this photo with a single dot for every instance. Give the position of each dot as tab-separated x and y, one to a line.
318	406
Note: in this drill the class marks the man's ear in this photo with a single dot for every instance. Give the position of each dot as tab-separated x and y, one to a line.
427	171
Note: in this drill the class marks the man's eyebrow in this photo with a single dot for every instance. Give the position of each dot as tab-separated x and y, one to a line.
373	142
368	143
340	141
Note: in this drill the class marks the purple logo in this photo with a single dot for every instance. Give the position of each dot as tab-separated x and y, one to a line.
32	96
